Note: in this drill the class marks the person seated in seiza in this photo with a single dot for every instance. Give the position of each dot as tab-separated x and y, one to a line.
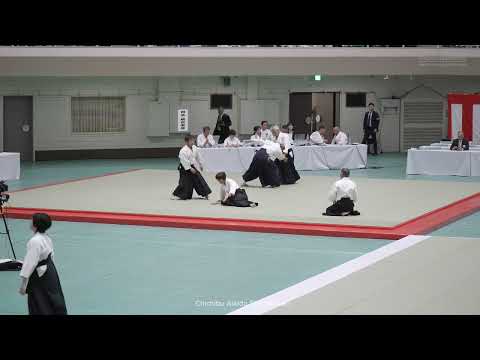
232	140
343	195
205	139
288	173
189	169
231	194
263	165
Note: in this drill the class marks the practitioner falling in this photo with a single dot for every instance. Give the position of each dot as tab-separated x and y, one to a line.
39	275
231	194
286	167
343	195
263	165
190	177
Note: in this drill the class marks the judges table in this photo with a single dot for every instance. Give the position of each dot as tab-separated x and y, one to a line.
309	157
9	166
443	162
446	147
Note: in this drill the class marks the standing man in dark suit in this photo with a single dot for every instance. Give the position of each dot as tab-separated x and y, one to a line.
370	128
223	125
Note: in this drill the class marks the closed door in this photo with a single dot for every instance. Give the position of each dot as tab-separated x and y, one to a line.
18	126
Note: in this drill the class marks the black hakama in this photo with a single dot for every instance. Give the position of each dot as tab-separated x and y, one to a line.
342	207
45	295
188	182
288	173
263	168
240	199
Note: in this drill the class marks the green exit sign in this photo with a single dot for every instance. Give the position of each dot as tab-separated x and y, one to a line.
318	77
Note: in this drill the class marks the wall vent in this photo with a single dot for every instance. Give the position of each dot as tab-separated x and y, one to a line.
442	61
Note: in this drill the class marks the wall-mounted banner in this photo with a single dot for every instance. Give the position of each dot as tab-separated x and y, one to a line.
182	120
464	114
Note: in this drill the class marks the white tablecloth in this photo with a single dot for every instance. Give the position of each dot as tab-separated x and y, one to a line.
475	163
445	147
439	162
306	157
9	166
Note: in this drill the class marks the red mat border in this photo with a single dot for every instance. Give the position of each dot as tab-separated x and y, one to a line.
422	224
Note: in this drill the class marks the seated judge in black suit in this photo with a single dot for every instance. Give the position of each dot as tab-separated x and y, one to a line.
455	143
371	120
223	125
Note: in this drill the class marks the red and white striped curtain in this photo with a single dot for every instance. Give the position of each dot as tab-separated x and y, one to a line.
464	114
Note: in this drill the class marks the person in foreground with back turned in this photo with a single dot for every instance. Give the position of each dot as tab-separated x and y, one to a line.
190	177
263	165
286	167
39	275
231	194
343	195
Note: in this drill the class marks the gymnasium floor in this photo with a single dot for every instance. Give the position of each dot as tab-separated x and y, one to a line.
119	269
382	202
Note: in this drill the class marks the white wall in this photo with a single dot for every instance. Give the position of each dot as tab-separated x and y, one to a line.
52	123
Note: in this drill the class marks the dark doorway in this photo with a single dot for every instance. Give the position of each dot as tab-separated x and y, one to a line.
300	106
18	126
324	104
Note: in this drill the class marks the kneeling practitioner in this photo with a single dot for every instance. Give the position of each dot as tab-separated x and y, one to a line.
231	194
190	177
343	195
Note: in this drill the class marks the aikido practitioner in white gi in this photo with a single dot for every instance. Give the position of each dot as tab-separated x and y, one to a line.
231	194
263	165
286	167
343	194
189	169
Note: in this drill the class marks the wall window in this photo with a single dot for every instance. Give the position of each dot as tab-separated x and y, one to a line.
98	114
356	100
223	100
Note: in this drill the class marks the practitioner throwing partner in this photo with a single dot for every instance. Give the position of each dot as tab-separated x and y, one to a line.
263	165
190	177
231	194
288	173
